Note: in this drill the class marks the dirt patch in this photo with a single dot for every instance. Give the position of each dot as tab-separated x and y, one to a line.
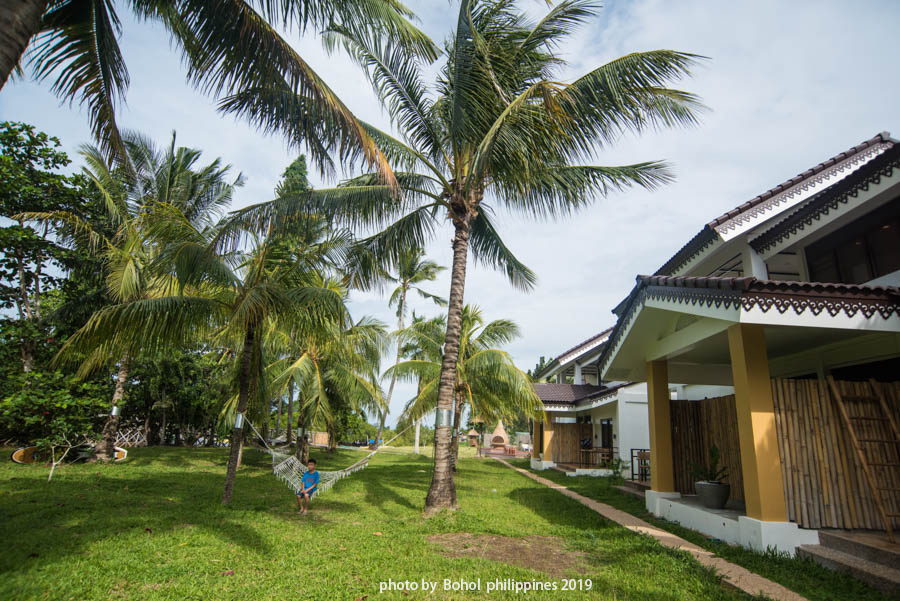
543	553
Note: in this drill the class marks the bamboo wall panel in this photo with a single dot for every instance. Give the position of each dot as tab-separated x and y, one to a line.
824	484
696	427
566	443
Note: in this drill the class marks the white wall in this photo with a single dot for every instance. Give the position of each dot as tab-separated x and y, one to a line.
697	392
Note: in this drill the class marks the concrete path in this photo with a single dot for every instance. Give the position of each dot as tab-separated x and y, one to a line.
734	575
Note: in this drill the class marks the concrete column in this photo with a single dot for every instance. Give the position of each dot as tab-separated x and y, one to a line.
761	463
548	440
578	377
753	264
662	474
535	438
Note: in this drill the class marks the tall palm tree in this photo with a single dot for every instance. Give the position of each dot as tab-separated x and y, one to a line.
134	189
488	382
502	130
228	47
412	269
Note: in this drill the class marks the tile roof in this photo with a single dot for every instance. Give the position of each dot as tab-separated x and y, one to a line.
565	393
708	234
748	292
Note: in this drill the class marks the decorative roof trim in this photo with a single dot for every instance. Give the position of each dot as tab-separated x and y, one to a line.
747	293
582	347
773	203
829	200
710	233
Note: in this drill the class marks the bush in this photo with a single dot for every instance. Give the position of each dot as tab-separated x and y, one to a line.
49	407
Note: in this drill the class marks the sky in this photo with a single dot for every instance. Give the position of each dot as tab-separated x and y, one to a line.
787	84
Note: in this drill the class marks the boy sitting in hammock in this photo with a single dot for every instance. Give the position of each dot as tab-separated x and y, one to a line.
309	483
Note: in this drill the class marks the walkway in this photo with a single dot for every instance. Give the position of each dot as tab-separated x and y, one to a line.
732	574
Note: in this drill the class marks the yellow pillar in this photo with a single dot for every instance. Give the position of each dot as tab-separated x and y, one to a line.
761	463
548	440
662	474
535	438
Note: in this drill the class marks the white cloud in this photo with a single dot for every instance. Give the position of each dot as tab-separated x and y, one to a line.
788	84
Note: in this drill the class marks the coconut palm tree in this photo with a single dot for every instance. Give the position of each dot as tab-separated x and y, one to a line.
412	269
134	189
488	382
503	130
228	47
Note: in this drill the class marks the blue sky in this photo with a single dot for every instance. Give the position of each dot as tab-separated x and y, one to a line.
788	84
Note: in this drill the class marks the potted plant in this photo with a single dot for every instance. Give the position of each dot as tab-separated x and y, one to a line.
712	492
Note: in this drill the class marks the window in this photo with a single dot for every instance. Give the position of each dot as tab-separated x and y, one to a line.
859	252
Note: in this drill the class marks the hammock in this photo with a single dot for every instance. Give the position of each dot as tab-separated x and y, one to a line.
290	470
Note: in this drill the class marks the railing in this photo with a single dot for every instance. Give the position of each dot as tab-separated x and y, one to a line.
131	438
640	464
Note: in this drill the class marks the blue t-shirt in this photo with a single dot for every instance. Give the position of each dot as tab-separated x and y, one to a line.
310	479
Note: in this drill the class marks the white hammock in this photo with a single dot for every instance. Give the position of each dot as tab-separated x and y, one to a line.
290	470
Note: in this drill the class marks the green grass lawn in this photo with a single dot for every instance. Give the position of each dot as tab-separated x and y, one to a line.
153	528
800	575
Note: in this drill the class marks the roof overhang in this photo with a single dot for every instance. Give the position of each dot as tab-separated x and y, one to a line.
685	321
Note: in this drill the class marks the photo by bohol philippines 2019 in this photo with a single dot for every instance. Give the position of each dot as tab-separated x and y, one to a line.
477	299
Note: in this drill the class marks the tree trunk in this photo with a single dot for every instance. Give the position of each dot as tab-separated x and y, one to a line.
418	435
162	430
278	421
442	493
106	449
302	452
20	20
290	427
380	428
387	401
457	415
237	435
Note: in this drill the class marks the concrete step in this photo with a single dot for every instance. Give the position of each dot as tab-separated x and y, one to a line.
630	490
876	575
872	546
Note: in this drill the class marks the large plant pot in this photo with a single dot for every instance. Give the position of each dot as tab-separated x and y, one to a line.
713	495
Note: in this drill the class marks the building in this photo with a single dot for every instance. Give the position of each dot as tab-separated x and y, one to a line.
588	422
736	336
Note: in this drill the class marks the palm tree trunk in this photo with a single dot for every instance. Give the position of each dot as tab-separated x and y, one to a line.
387	401
380	427
20	20
162	430
106	450
290	427
302	452
457	415
237	436
278	421
442	493
418	435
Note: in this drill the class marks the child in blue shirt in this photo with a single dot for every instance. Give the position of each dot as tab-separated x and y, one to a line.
309	482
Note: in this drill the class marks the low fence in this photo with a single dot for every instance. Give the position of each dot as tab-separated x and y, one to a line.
824	483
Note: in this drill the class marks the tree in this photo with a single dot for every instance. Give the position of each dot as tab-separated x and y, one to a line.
148	187
412	269
29	181
502	131
488	382
231	50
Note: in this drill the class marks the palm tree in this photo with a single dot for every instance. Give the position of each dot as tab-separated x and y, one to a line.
504	131
134	190
334	369
231	49
420	347
412	269
488	382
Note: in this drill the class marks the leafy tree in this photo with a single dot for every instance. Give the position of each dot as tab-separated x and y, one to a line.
232	51
488	382
30	181
141	193
503	130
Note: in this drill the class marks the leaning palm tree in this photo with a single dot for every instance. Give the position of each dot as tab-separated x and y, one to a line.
502	131
488	382
227	46
412	269
133	190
